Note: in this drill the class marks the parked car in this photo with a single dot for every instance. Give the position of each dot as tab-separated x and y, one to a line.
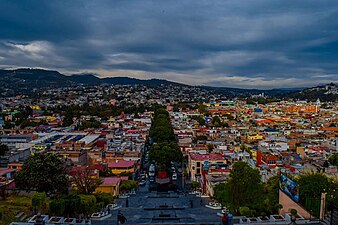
173	170
174	177
143	182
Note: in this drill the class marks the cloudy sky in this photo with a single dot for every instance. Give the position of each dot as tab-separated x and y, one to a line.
234	43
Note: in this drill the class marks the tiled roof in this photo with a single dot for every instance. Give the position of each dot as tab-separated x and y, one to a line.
111	180
210	156
121	164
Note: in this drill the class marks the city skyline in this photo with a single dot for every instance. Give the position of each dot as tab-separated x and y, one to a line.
246	44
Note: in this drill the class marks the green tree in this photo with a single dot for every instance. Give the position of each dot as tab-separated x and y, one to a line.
216	121
164	153
194	185
87	204
271	195
68	118
333	159
307	189
57	207
210	147
161	129
243	188
202	109
72	204
39	201
311	186
128	185
245	211
42	173
200	120
105	198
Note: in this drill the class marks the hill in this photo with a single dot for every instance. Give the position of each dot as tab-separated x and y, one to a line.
327	93
26	81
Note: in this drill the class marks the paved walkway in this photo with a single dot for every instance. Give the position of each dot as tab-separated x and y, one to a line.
144	208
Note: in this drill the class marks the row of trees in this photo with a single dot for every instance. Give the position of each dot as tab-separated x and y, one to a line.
161	129
245	194
162	133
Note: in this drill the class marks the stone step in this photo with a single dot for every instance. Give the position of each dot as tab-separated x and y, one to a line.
19	214
23	218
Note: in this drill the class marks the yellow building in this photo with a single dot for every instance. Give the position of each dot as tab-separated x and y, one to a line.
110	185
35	107
255	137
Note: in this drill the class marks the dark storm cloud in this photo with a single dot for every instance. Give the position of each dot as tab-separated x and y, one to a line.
243	43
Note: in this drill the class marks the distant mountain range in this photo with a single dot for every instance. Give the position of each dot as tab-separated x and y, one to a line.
24	81
56	78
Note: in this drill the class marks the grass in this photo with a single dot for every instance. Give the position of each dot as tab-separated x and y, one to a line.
12	206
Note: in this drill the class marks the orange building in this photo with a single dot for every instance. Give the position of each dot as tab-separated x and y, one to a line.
303	109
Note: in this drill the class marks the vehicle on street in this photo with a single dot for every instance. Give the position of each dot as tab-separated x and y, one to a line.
143	182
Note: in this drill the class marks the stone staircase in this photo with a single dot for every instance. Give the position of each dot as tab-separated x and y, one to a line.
21	216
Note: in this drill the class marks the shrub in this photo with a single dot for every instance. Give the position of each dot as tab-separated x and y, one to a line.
293	212
105	198
245	211
39	200
57	207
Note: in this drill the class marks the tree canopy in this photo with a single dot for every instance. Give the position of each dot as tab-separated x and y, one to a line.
163	153
166	149
311	186
42	173
128	185
161	129
242	189
333	159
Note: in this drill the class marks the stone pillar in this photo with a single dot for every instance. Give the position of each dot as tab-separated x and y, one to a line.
322	206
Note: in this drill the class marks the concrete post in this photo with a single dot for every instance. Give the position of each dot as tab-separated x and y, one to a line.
322	206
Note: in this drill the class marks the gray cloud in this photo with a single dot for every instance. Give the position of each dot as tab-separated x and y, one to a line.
244	43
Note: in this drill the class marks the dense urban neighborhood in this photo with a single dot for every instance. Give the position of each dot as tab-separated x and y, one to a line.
172	154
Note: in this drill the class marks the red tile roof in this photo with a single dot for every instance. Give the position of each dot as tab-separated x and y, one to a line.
111	180
121	164
209	156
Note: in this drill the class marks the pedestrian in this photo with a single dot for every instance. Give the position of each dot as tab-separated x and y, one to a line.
121	219
230	217
224	219
201	202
